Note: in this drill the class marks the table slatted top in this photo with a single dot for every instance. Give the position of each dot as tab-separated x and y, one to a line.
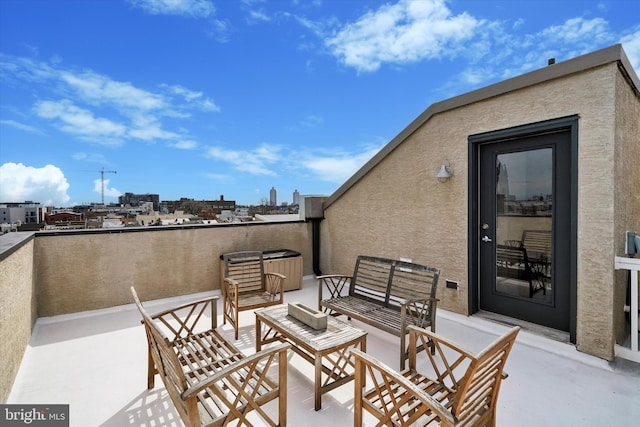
336	334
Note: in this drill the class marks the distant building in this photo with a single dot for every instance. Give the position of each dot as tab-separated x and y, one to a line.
296	197
24	213
185	204
63	217
272	197
137	199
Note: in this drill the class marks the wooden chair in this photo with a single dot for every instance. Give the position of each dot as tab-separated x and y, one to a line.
246	286
461	389
210	381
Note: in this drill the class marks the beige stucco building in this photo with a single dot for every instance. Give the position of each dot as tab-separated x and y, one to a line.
595	101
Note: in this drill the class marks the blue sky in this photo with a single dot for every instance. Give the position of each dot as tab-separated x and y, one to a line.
199	98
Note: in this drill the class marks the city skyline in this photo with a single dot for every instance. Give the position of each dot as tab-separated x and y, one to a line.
199	98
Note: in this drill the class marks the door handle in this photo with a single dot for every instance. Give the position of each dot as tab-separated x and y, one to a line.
486	239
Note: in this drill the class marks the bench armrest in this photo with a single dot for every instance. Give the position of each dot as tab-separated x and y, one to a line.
258	362
334	283
327	276
393	394
183	319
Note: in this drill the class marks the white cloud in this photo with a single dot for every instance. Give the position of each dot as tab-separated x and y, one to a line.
90	157
631	46
196	98
578	31
99	89
81	122
21	126
258	16
184	145
108	192
148	128
103	111
405	32
255	162
338	168
193	8
46	185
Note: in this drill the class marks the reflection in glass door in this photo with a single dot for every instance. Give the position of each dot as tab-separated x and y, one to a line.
524	221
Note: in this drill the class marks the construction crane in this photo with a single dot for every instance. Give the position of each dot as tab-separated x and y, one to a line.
102	172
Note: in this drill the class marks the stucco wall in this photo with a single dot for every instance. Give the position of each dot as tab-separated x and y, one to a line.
627	190
399	209
85	271
17	313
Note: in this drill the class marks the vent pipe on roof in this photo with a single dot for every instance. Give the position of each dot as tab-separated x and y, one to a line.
313	211
551	61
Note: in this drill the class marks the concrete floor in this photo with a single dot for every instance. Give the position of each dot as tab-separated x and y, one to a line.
96	363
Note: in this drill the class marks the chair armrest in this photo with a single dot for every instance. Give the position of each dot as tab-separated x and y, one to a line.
420	310
448	360
439	339
249	362
274	282
394	386
231	281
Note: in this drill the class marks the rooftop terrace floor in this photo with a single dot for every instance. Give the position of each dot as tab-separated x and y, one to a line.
96	362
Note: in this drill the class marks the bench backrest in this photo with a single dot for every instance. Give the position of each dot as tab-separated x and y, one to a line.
387	280
537	241
247	268
164	358
513	262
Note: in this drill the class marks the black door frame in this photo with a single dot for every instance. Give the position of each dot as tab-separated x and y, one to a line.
564	123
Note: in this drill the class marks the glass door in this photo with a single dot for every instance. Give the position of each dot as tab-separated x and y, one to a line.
524	234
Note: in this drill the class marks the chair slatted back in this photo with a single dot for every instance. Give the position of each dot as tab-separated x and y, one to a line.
478	390
247	268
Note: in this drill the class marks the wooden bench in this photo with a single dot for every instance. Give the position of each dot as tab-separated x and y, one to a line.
246	286
210	381
453	388
513	262
387	294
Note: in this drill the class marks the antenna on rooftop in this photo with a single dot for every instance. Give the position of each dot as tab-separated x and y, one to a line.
102	172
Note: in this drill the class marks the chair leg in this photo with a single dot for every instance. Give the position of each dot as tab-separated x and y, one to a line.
151	371
235	326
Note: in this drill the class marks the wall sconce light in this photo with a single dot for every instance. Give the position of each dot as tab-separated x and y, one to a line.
445	171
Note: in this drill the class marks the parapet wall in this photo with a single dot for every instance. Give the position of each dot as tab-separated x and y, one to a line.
17	304
80	271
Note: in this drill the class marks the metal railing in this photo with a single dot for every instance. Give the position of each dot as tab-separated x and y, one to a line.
633	265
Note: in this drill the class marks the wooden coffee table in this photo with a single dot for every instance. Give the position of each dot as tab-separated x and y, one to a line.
326	349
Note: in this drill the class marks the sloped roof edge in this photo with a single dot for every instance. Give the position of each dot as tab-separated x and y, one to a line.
600	57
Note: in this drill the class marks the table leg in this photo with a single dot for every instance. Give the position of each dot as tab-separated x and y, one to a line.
363	348
258	334
318	383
